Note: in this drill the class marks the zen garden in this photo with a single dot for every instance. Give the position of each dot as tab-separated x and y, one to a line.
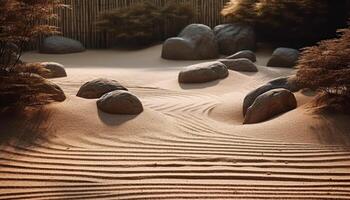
175	99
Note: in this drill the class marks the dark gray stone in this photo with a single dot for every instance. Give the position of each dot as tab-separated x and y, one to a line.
120	102
248	54
60	45
235	37
203	72
241	65
195	42
56	70
270	104
288	83
98	87
284	57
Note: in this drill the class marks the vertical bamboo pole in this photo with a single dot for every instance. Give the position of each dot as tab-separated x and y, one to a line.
79	22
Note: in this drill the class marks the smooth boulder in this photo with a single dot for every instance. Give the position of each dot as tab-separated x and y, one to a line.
288	83
248	54
233	38
241	65
98	87
56	70
120	102
60	45
284	57
203	72
270	104
195	42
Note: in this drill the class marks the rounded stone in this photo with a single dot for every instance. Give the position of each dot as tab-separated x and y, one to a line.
60	45
195	42
248	54
284	57
288	83
240	64
270	104
56	70
120	102
203	72
235	37
98	87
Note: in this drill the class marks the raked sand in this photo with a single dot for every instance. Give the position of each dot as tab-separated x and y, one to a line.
189	143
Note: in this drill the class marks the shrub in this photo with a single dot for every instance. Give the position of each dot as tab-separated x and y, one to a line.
22	21
292	22
27	89
326	68
146	22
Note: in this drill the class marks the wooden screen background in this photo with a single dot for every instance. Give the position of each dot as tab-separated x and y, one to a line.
79	22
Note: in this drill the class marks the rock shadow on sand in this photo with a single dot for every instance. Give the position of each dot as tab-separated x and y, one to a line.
193	86
114	120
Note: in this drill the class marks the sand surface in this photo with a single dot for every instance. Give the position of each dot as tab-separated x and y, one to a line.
189	143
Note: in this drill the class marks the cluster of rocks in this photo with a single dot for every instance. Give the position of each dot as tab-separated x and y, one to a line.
113	98
270	99
60	45
195	42
198	42
211	71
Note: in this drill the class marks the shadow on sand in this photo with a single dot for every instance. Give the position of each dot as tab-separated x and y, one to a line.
333	129
114	120
198	85
23	127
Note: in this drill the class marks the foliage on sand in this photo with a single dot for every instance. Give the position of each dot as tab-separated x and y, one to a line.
290	21
146	22
326	68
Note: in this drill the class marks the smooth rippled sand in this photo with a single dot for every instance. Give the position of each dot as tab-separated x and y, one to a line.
189	143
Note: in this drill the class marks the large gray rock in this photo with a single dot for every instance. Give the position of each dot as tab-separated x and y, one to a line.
195	42
288	83
270	104
203	72
241	65
284	57
235	37
120	102
248	54
98	87
60	45
56	70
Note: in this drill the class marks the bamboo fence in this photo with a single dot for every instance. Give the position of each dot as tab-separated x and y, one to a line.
79	21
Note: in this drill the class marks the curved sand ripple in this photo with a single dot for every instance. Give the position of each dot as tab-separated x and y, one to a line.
202	159
179	148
